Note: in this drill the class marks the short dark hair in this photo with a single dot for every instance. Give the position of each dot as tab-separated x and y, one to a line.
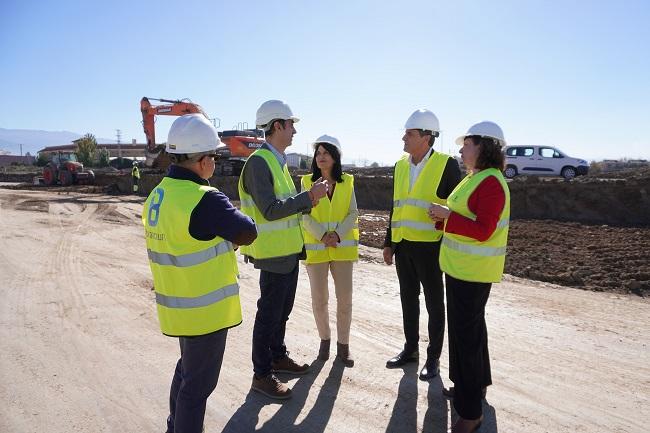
490	154
431	134
269	129
337	170
185	159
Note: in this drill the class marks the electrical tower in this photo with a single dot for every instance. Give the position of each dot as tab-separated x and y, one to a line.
118	133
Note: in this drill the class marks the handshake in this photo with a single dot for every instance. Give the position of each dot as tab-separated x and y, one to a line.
318	191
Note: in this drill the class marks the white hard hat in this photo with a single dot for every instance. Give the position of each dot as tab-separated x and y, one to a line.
272	110
484	129
328	139
423	119
192	133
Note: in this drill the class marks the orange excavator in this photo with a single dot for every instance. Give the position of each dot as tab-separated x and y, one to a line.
237	144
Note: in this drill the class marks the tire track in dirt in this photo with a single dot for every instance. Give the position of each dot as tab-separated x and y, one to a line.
81	340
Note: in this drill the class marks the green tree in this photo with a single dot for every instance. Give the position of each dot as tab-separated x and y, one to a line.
42	160
374	165
103	158
86	148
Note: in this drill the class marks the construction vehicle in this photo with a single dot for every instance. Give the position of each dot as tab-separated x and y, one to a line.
237	144
65	169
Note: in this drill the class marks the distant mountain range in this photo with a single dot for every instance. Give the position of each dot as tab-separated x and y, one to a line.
35	140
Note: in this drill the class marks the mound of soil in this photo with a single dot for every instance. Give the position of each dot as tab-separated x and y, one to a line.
592	257
620	200
600	258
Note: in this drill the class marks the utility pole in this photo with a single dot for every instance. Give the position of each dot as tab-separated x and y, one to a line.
21	149
119	146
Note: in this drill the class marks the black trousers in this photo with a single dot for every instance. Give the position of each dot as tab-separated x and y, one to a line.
196	376
417	264
277	294
469	359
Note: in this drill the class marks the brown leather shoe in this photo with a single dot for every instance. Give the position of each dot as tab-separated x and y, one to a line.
271	386
324	350
288	365
343	354
463	425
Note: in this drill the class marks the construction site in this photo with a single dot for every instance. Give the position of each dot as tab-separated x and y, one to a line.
568	325
485	162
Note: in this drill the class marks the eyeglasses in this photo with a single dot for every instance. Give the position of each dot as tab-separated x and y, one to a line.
214	156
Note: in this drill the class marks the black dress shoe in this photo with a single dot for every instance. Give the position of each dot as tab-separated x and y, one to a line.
402	358
449	392
430	370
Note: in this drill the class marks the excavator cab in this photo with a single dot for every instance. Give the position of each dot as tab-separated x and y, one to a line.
236	146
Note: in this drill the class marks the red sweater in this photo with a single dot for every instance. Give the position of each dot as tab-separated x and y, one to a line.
486	202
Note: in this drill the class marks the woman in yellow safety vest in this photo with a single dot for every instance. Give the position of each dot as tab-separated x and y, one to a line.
472	256
331	236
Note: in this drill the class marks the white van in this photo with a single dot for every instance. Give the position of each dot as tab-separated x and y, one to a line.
542	160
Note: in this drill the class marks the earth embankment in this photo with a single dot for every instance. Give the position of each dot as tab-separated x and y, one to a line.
590	233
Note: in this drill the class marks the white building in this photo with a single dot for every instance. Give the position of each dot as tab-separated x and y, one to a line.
293	160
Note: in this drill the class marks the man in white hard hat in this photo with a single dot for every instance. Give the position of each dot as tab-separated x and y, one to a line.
189	230
268	195
422	176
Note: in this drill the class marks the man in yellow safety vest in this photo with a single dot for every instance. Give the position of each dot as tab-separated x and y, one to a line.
190	229
268	195
422	176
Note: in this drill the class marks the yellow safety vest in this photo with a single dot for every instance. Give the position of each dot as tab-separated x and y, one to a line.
466	258
195	281
329	214
135	172
277	238
410	218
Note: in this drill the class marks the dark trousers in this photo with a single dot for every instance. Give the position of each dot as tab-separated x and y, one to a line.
469	359
277	293
196	376
417	263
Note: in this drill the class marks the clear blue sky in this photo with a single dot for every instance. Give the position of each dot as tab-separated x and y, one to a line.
575	74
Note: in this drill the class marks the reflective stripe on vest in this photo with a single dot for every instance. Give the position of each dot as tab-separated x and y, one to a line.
277	225
330	214
414	225
200	301
410	219
193	279
278	238
472	249
191	259
466	258
412	202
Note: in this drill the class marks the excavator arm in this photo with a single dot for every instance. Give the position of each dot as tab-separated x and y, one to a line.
237	144
168	108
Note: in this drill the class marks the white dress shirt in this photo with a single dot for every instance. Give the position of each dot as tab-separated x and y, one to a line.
416	169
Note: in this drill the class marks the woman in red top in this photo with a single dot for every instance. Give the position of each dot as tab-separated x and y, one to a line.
476	227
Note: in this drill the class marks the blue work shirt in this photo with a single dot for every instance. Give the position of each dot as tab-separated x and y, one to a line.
214	215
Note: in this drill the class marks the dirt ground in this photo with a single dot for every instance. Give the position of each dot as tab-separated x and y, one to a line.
83	352
592	257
